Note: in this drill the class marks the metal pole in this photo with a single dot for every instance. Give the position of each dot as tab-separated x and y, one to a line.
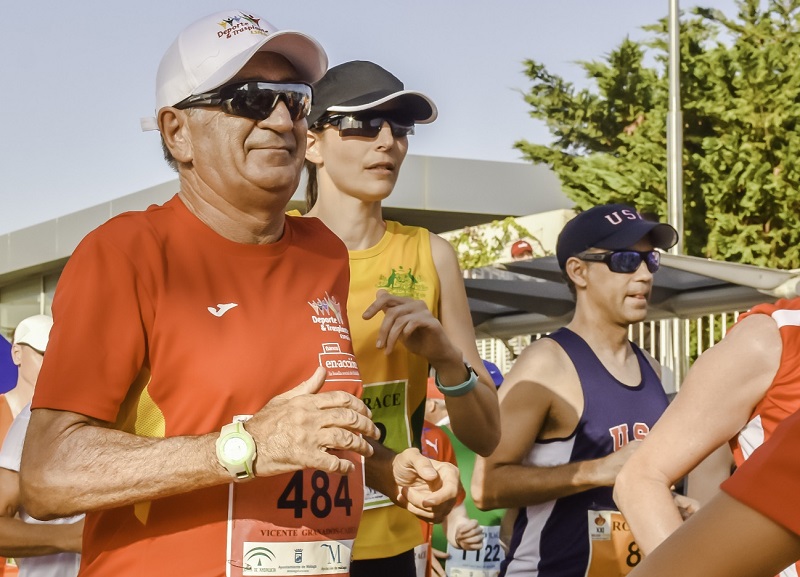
675	176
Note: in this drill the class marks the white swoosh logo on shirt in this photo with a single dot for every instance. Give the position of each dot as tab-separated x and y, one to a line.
221	309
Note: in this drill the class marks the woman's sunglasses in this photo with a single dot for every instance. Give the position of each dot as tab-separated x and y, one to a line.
366	124
624	261
255	100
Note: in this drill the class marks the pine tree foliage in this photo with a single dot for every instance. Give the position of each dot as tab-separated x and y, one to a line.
740	93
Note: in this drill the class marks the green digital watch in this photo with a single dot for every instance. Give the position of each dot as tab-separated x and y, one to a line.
236	451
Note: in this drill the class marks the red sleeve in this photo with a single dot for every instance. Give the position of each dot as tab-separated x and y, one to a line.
97	344
770	479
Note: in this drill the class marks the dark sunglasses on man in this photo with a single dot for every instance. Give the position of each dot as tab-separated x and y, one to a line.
624	261
255	100
367	124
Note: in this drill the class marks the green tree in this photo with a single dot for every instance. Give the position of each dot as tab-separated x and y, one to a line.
740	91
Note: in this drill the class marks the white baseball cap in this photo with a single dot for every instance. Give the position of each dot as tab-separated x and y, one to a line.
209	52
34	331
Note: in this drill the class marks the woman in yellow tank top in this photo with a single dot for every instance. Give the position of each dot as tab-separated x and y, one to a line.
407	303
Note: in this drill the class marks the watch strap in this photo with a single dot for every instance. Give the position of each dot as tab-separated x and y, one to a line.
461	389
243	470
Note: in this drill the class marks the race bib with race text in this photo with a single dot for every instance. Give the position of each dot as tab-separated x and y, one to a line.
612	550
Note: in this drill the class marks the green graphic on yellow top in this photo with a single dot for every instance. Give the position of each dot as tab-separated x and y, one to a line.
403	282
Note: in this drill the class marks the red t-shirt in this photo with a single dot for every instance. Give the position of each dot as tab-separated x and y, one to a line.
783	396
164	328
769	480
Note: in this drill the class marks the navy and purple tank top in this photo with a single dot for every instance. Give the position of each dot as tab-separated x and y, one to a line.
551	539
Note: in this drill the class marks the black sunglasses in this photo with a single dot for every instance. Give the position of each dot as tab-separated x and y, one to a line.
624	261
366	124
255	100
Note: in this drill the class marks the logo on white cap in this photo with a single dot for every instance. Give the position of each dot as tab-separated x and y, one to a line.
211	51
239	24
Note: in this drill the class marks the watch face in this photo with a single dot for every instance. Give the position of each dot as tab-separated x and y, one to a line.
235	449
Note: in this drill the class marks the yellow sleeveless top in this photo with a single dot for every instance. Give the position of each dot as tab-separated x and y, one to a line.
394	385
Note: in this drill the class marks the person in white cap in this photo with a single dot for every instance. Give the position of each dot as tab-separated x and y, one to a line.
27	352
407	303
200	397
41	549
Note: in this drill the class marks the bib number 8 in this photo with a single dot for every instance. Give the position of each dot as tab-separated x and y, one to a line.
320	503
634	555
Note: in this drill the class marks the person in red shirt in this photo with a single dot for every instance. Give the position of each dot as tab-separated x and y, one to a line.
461	531
200	396
736	393
751	528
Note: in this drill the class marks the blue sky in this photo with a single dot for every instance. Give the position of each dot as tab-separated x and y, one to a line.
76	78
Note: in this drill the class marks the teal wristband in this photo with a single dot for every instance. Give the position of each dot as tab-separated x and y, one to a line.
463	388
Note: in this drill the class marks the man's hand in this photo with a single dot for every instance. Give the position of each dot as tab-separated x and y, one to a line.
411	322
611	464
295	430
427	488
436	565
468	535
686	505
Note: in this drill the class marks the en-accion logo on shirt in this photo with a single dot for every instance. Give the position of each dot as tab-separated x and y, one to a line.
341	366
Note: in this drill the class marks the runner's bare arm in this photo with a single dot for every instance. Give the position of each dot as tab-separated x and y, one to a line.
528	401
475	417
723	539
714	403
21	539
72	463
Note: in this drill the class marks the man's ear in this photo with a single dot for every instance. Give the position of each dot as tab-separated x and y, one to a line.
173	124
576	270
312	148
16	354
430	406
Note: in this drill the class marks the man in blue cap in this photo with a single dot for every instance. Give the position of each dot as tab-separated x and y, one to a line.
575	403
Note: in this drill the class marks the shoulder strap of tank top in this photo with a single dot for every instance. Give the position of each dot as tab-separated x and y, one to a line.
578	350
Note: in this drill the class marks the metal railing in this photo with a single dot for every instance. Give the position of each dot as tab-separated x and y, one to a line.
701	334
